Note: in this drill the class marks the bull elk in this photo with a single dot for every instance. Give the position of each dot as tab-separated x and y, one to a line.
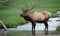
36	17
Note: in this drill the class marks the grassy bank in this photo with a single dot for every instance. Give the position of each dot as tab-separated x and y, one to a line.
10	15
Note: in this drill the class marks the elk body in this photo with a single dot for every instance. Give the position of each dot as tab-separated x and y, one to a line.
37	17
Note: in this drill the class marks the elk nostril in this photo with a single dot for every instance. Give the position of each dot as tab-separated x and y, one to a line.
20	15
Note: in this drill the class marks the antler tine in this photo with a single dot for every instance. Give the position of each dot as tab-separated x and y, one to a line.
25	8
33	6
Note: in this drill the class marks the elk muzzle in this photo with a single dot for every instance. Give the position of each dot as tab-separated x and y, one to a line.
20	14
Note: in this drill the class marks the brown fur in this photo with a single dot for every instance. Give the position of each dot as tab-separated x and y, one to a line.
34	17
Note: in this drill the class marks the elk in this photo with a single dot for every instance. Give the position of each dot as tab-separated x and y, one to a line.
36	17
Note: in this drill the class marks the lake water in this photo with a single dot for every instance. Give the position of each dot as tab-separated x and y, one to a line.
25	30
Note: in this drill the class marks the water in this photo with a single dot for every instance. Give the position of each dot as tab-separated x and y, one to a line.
53	23
25	30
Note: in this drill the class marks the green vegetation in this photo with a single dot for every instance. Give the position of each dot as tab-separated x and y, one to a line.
58	28
10	15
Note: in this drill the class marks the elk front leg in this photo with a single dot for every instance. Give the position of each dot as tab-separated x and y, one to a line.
33	28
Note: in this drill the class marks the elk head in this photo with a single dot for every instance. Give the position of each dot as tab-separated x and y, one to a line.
26	11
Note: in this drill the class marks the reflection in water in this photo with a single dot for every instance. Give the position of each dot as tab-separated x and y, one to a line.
3	33
33	33
25	33
46	33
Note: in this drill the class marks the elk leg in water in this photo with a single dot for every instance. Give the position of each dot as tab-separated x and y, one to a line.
46	27
33	28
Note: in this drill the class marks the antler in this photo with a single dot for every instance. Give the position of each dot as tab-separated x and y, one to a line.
27	6
33	6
